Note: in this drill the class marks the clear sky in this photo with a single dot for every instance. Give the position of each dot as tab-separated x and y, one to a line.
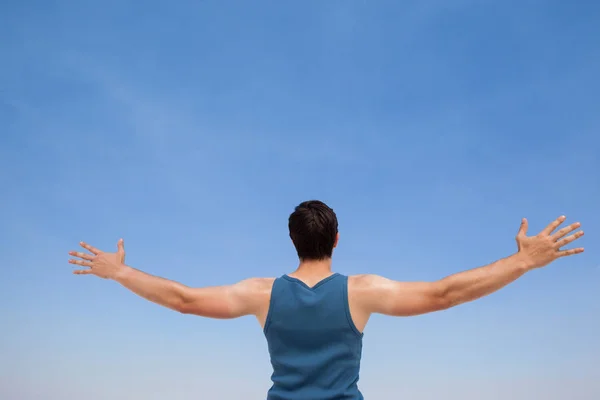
192	128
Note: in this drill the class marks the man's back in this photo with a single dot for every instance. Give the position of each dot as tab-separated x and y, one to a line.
314	346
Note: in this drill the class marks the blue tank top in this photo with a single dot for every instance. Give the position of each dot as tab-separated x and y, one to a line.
314	346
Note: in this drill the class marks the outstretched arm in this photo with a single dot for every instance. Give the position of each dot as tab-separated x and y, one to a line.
247	297
230	301
381	295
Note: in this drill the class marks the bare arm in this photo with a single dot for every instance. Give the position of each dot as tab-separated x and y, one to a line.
248	297
389	297
230	301
381	295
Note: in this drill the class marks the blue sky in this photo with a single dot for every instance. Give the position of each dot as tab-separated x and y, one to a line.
192	130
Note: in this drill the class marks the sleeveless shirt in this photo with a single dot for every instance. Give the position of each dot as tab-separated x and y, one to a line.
314	346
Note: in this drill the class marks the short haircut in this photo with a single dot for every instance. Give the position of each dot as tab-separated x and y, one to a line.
313	230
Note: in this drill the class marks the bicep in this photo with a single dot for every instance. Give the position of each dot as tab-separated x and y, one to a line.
389	297
222	302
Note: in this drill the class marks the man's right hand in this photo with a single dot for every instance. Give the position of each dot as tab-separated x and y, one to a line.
540	250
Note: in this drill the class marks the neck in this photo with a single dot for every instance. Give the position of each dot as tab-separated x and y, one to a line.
314	267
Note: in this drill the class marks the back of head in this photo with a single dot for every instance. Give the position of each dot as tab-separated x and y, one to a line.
313	229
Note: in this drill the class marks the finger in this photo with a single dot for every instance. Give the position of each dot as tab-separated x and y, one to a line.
554	224
568	239
82	271
81	262
121	246
523	228
89	248
567	229
79	254
570	252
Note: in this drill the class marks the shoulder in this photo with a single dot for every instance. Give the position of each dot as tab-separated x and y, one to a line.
367	281
365	287
251	296
255	285
369	291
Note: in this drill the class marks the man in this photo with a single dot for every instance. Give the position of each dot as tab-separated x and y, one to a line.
313	318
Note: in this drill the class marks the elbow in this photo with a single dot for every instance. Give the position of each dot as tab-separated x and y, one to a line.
182	302
444	303
444	298
182	307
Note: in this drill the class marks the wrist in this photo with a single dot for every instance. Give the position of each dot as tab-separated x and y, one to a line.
523	262
121	273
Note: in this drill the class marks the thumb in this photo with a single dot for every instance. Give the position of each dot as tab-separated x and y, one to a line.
523	228
121	246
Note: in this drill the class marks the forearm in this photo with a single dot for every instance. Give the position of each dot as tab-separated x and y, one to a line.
473	284
153	288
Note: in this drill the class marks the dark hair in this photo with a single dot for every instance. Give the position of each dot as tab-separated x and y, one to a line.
313	229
